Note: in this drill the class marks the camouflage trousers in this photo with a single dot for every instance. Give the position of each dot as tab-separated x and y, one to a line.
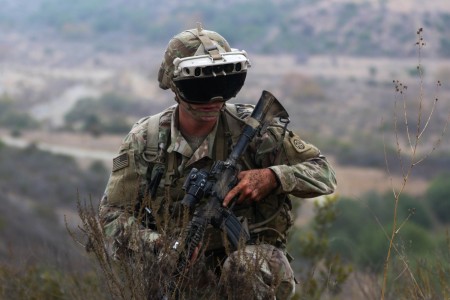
258	272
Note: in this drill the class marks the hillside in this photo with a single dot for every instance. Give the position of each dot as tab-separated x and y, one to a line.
303	28
338	102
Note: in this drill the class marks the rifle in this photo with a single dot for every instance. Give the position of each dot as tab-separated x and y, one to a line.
216	183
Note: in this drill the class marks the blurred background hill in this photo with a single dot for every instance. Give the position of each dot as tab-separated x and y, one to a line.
75	76
343	27
91	66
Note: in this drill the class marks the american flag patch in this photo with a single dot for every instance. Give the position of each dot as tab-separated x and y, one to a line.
120	162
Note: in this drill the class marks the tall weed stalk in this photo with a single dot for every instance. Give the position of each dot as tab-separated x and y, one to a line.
410	152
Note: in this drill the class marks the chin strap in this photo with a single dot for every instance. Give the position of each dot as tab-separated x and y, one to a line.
194	111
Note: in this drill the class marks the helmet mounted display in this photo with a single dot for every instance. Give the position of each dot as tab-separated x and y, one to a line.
200	79
214	72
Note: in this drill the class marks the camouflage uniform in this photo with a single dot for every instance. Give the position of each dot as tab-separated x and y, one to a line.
300	169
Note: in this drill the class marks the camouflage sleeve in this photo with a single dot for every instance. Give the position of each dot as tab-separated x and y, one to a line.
125	184
300	168
123	230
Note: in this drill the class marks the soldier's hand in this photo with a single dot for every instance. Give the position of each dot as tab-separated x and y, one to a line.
194	256
152	240
253	185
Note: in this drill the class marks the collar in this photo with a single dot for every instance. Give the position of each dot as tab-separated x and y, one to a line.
179	144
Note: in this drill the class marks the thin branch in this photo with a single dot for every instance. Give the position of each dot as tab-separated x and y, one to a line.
403	88
399	88
411	213
391	180
428	119
420	43
405	263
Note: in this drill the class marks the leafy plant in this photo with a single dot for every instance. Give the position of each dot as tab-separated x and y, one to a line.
321	269
438	194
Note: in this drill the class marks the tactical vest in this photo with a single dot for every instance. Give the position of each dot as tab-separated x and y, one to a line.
268	220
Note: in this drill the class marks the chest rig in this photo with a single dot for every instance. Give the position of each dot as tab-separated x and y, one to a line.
268	220
164	166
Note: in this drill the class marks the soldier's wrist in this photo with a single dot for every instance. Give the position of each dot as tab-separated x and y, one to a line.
277	180
279	187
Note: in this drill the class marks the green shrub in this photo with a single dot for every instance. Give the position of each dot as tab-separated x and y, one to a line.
39	282
438	194
321	270
12	117
359	231
109	113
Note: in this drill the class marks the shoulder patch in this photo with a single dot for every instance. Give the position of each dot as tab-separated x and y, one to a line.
120	162
297	143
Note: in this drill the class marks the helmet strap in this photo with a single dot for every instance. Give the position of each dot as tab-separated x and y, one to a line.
207	43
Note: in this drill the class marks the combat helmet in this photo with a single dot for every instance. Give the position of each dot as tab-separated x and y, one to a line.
200	66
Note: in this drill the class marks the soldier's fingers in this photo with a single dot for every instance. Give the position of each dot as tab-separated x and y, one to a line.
231	194
242	196
195	254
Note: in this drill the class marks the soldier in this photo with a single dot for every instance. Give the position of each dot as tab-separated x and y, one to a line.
155	157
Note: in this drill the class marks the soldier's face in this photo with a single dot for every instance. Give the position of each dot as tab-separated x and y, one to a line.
208	112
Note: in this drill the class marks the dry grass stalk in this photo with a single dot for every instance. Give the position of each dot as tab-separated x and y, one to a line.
414	158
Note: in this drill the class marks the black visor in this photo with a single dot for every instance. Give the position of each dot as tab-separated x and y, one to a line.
202	90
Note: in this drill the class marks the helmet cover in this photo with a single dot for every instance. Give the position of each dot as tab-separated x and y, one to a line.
186	44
